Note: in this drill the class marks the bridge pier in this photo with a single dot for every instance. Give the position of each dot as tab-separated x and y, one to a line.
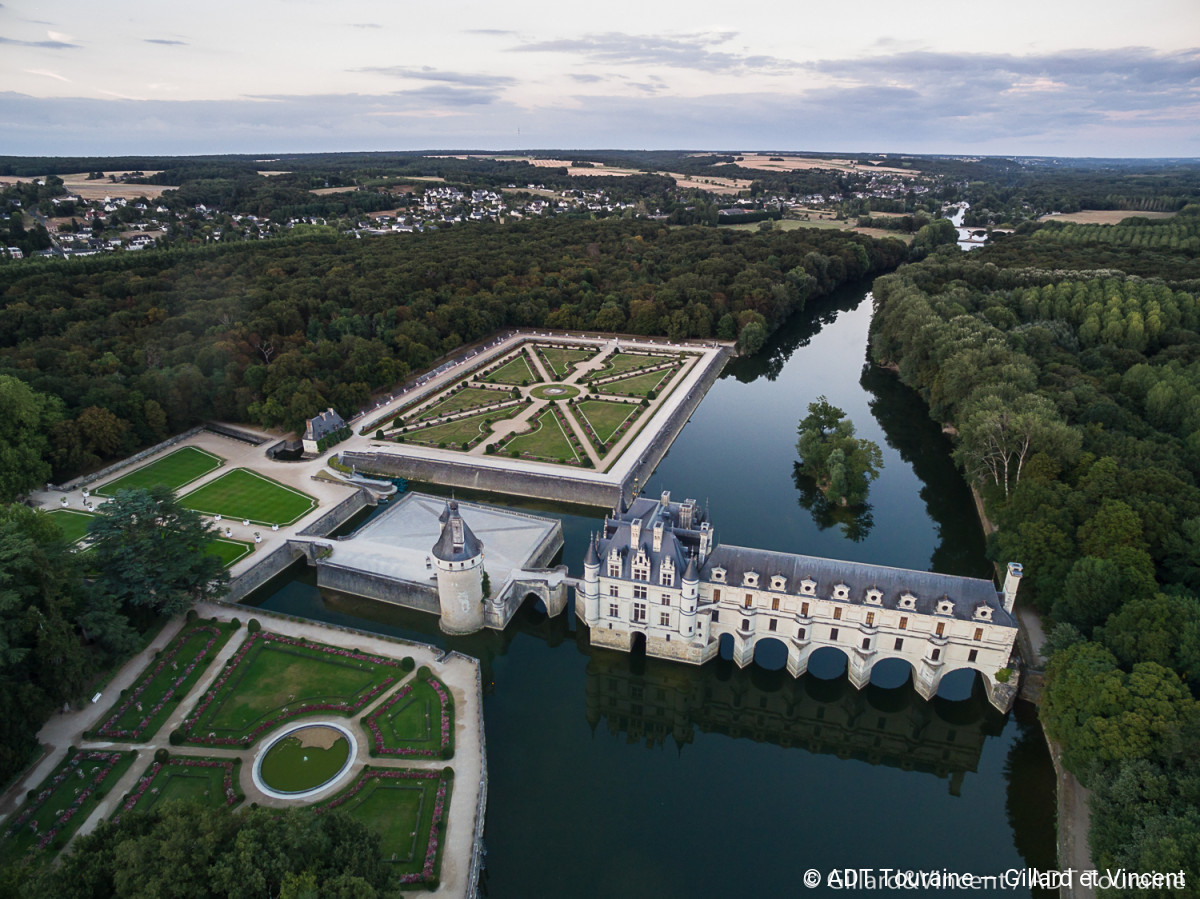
797	662
743	651
859	666
927	676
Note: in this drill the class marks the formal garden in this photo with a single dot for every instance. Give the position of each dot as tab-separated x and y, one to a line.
175	470
242	494
257	715
565	404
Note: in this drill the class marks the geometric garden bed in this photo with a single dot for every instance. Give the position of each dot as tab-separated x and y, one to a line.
417	721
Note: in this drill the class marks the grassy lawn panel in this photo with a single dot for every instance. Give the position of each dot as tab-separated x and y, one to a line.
408	809
273	679
455	433
628	362
605	416
229	551
73	524
467	398
515	371
558	360
142	709
208	781
417	721
64	800
242	494
638	385
176	469
547	440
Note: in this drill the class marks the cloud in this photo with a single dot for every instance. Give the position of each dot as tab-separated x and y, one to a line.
427	73
685	51
490	32
164	42
365	25
46	73
585	78
52	44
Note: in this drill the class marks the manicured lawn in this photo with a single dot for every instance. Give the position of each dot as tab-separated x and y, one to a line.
547	440
558	359
144	708
73	524
605	416
638	385
516	371
408	809
209	781
229	551
273	679
467	398
242	493
175	470
64	800
456	433
628	362
417	721
295	764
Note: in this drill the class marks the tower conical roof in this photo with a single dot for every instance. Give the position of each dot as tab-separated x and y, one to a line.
591	558
458	542
691	574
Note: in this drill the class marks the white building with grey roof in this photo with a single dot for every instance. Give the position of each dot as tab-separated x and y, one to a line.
655	575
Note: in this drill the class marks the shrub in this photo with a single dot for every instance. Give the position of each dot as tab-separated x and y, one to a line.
235	624
407	663
253	626
423	672
1003	675
191	615
176	738
161	755
379	434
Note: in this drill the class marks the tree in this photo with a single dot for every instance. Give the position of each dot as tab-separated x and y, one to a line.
25	421
842	465
997	436
151	553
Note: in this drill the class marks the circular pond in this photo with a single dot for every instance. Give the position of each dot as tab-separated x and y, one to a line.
555	391
304	759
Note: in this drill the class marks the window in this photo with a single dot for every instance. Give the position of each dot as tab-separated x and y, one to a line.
666	599
866	642
668	577
613	590
774	603
804	609
903	623
614	568
972	655
716	616
749	600
639	592
772	625
745	624
639	613
941	628
874	597
664	619
937	654
870	619
718	574
978	634
641	574
614	610
716	596
837	614
799	633
833	632
841	591
899	644
809	586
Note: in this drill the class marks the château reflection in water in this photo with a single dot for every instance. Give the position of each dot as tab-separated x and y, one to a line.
655	701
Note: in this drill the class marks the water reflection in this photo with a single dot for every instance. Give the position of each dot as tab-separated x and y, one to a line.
855	521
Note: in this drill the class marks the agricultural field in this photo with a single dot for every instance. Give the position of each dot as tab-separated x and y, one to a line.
244	494
175	470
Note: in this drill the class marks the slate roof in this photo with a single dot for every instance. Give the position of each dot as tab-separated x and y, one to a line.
446	548
323	425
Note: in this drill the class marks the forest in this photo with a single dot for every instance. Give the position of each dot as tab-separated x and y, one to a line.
1075	399
135	347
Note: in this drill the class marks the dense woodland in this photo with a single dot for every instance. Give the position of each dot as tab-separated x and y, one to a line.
1075	395
133	348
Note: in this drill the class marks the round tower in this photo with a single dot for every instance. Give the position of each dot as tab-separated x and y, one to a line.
458	555
688	600
591	586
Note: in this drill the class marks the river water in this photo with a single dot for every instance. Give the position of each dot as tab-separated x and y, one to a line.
613	775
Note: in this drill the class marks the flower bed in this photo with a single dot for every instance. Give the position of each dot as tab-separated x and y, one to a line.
66	797
429	829
439	742
154	779
229	683
143	709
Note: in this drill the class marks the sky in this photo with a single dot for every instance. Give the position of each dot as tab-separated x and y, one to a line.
1025	77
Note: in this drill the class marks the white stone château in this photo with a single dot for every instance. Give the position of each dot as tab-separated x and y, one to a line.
656	574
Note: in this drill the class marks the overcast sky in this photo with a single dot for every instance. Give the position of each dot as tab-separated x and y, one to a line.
1031	77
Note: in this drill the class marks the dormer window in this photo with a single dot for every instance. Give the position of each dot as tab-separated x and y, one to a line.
667	576
874	597
908	601
983	612
808	587
718	575
614	563
945	607
750	579
779	583
841	591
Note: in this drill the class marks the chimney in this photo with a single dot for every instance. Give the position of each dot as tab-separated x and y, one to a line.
635	533
1011	581
658	534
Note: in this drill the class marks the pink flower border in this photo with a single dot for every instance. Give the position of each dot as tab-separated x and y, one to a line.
110	758
148	778
372	723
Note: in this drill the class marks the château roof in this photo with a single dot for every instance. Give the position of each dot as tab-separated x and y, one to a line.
458	542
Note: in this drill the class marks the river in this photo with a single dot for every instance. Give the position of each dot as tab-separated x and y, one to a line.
613	775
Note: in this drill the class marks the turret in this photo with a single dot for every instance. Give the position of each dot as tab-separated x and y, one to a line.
688	599
591	585
1011	581
458	556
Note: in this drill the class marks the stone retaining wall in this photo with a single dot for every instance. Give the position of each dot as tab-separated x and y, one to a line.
86	479
275	563
409	594
339	514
